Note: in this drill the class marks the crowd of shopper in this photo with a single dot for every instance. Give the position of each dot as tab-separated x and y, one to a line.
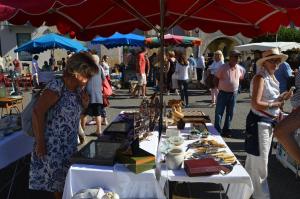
78	94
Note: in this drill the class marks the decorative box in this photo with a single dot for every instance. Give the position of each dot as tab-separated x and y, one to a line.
97	152
139	162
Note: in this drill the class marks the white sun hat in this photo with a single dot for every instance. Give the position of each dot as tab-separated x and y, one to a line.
273	53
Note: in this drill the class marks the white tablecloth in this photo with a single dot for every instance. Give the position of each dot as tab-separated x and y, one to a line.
240	182
118	178
14	147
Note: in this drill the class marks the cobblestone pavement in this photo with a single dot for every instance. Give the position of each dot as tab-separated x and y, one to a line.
282	181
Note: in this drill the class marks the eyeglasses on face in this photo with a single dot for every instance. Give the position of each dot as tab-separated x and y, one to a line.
274	61
235	56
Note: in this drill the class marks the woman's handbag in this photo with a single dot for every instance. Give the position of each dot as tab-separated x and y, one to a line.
106	91
209	82
106	88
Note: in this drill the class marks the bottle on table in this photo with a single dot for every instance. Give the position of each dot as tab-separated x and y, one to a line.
2	90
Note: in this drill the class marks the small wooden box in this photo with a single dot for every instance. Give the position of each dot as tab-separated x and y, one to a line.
139	162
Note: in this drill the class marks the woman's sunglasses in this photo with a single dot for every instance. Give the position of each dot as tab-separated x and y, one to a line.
274	61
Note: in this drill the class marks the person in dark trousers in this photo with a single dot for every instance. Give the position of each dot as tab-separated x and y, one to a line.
152	72
182	70
227	78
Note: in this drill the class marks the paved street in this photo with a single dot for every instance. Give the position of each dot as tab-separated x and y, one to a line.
282	181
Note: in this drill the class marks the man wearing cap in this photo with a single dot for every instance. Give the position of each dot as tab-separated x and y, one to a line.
227	78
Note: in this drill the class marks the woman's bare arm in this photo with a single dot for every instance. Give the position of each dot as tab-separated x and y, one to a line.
45	101
284	132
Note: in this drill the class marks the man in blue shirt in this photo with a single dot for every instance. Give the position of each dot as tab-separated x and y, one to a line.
192	61
284	74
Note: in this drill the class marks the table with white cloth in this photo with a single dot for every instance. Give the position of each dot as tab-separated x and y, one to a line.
238	180
116	178
14	147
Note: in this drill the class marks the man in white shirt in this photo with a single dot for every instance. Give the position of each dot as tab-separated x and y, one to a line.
35	70
200	67
1	63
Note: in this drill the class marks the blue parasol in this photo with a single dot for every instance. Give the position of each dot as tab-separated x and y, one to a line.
51	41
118	39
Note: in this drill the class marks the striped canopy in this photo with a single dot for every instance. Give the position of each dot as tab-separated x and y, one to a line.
173	40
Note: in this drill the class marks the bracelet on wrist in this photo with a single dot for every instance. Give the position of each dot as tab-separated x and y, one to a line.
270	104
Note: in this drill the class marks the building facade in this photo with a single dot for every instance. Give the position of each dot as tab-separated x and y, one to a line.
12	36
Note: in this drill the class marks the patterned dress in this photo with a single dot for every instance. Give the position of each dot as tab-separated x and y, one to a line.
61	128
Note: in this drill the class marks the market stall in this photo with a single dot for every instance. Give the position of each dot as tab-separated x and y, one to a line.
116	178
151	182
263	46
237	183
13	147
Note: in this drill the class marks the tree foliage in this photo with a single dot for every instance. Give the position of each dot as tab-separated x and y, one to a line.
283	34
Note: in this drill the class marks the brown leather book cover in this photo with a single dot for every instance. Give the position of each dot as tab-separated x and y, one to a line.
203	167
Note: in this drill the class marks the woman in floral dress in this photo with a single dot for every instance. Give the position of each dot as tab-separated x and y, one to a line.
55	123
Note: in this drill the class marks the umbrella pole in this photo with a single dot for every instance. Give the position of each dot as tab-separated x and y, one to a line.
161	69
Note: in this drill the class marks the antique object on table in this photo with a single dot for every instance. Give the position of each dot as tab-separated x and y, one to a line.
120	130
139	162
203	167
97	152
170	132
95	193
224	157
146	118
174	158
176	140
154	111
213	149
199	130
176	106
206	143
195	117
110	195
142	120
180	124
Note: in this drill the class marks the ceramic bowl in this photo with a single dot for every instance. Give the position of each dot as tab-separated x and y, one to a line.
176	140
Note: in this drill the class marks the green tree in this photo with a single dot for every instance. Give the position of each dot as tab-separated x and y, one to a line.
283	34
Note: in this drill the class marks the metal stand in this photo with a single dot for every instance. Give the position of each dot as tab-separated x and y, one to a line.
12	180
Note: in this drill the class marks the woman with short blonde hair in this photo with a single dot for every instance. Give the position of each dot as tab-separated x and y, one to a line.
212	69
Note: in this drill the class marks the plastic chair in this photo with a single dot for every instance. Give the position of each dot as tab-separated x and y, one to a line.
27	81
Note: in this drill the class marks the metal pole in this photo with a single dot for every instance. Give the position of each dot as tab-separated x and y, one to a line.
161	69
